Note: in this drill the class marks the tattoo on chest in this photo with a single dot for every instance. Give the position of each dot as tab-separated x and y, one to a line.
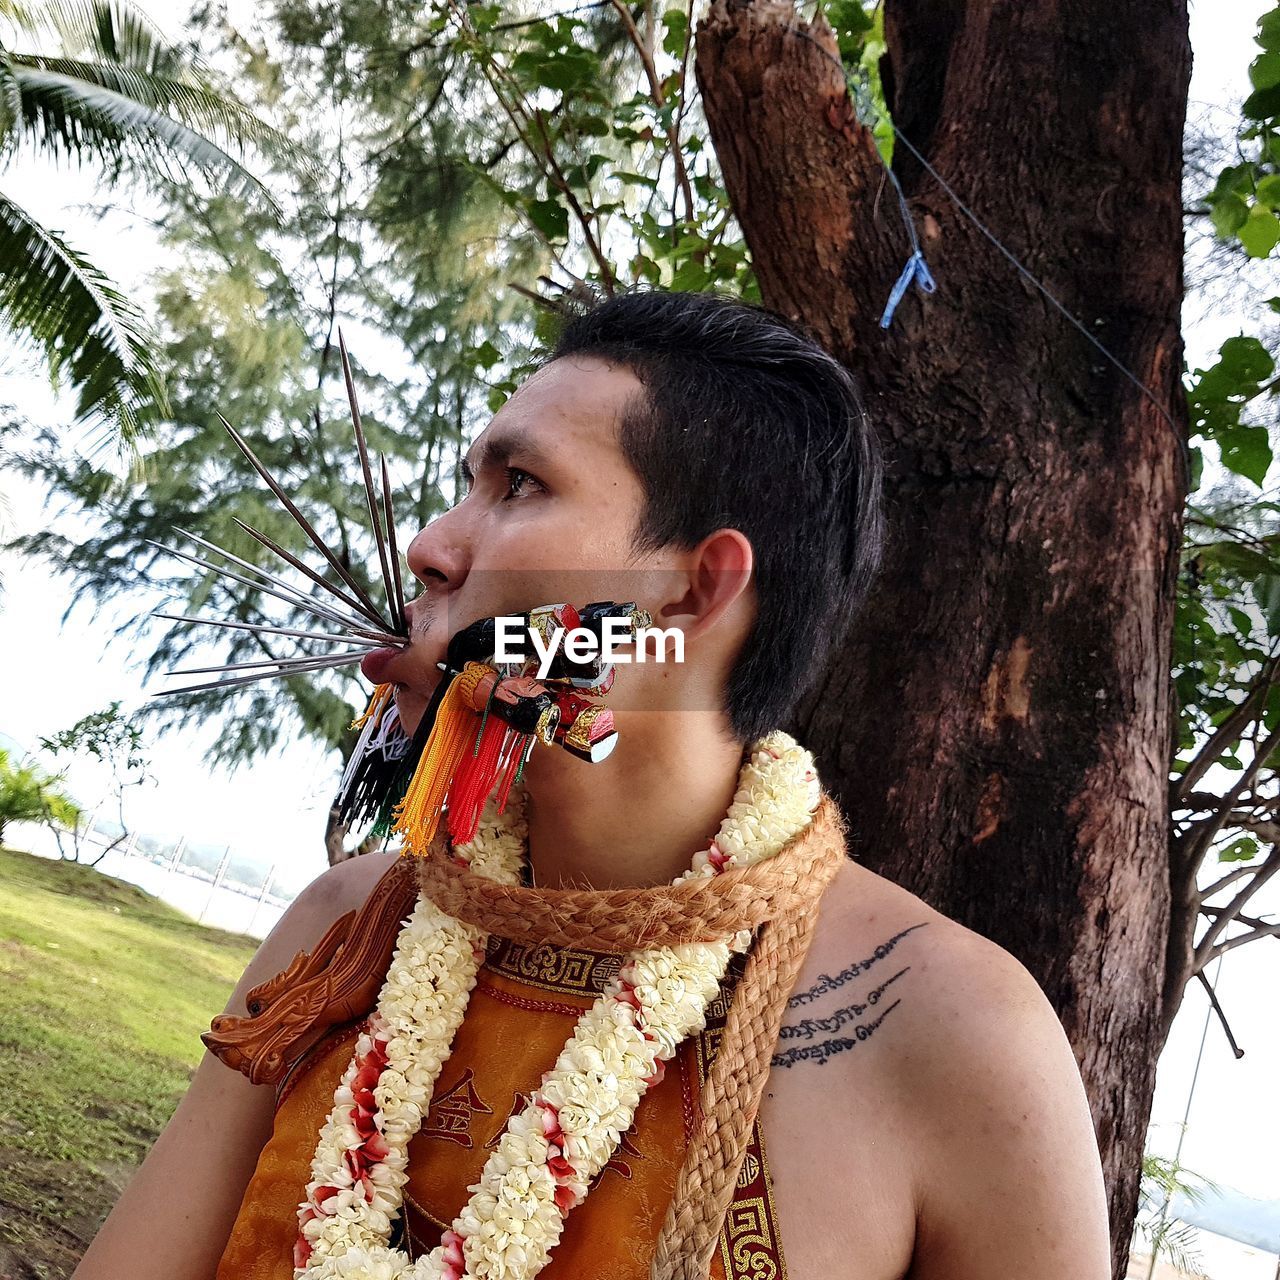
847	1017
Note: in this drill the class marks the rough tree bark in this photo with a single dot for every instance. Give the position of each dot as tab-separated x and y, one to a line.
997	726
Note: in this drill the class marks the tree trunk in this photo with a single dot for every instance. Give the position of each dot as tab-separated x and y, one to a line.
997	725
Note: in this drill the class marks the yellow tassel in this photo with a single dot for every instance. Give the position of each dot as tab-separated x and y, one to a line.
418	815
380	696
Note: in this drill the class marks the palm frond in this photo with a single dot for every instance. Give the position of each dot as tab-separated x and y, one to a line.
10	101
88	331
107	29
198	105
69	116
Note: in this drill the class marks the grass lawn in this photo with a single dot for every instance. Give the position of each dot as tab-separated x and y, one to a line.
104	991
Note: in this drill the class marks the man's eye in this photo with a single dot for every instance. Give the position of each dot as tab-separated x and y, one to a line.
517	479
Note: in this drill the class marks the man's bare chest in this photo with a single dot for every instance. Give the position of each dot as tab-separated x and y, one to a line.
841	1146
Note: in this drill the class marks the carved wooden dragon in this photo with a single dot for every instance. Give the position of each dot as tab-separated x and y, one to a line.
336	982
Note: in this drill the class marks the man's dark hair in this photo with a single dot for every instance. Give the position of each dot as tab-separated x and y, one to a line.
748	423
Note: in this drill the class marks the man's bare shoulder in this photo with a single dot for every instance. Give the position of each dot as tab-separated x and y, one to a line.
867	922
881	964
956	1038
961	1004
353	880
343	887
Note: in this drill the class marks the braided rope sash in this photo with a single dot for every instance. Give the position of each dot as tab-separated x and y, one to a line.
779	896
702	909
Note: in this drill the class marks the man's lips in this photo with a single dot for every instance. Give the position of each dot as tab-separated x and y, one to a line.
374	664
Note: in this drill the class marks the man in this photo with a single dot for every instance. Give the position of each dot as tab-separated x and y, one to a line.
711	462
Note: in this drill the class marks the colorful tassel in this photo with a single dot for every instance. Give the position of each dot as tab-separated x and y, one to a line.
417	816
474	781
376	705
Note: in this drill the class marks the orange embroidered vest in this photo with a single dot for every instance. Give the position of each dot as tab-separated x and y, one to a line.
522	1010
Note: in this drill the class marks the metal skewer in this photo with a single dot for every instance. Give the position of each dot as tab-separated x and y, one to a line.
345	603
298	669
296	599
317	541
362	448
385	643
354	654
348	619
390	514
318	579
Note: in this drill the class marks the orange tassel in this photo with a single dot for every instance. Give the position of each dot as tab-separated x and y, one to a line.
380	696
417	816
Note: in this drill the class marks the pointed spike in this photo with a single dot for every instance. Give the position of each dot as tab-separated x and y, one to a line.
355	655
278	631
318	579
394	551
282	590
238	681
362	448
310	601
292	599
316	540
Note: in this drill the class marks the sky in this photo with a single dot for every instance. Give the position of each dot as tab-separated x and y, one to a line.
274	809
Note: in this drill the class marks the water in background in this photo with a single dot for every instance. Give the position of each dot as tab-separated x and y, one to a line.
205	893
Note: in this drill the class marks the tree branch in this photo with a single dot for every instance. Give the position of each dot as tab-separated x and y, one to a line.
1192	845
1227	733
1222	1017
1205	948
1229	879
656	95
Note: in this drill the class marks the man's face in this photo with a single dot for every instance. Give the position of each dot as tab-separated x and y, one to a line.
549	507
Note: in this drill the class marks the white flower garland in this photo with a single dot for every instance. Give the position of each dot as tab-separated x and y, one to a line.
551	1151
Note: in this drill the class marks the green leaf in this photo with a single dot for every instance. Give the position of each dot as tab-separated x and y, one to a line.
1269	187
565	70
851	23
1243	623
1241	849
1245	359
1228	214
1266	591
1236	558
550	217
1260	232
1196	469
676	25
637	179
1246	451
1269	30
90	333
1236	179
486	355
1262	104
1264	70
690	277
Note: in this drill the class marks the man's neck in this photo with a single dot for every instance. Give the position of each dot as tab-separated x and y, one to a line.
637	818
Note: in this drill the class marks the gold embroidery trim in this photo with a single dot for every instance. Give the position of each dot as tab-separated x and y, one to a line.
565	970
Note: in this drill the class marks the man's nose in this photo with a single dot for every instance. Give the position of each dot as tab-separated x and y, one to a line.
439	554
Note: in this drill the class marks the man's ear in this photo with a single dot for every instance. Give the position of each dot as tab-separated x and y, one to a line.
713	578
